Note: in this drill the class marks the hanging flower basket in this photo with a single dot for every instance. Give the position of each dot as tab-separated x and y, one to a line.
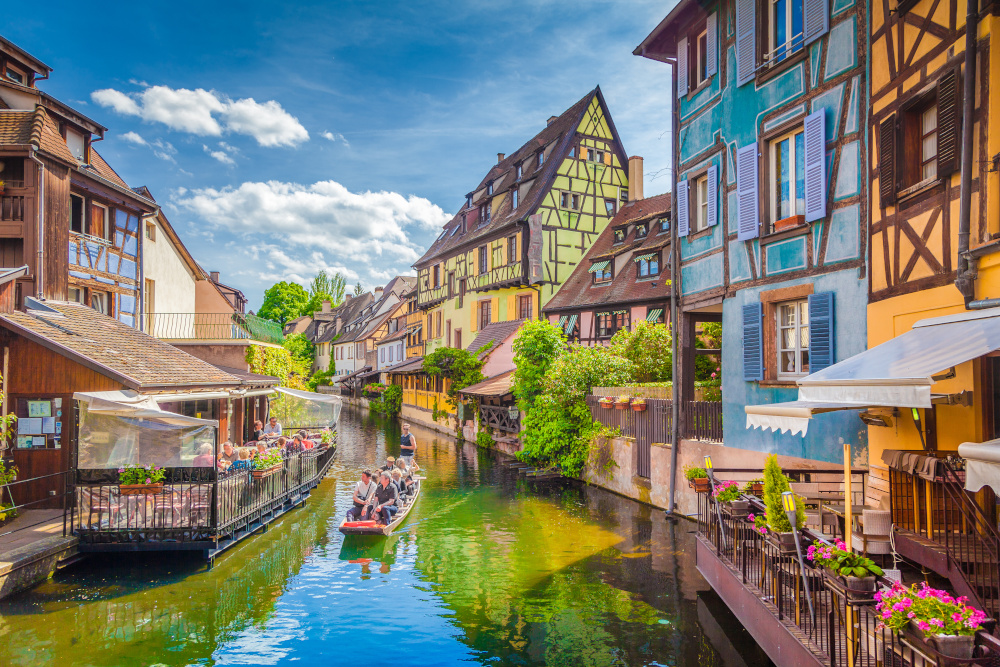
266	472
638	405
140	489
700	484
606	403
622	402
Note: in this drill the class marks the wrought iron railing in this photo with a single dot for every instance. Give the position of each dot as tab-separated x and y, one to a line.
844	631
213	326
196	505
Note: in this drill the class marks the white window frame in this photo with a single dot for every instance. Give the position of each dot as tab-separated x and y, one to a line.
15	70
800	308
701	58
793	43
513	198
700	218
100	297
772	156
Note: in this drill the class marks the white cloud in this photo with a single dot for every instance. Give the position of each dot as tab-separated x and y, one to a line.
222	156
207	113
164	150
134	138
327	134
280	227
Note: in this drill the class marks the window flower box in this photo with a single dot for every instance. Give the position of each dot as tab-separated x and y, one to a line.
790	222
266	472
622	403
140	489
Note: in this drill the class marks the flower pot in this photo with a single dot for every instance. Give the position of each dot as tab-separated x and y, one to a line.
266	472
620	406
739	508
856	589
700	484
785	542
638	407
757	489
140	489
789	223
957	647
607	405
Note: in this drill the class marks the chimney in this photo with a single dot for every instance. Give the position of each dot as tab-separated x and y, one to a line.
214	275
337	323
378	292
634	178
551	120
500	157
327	307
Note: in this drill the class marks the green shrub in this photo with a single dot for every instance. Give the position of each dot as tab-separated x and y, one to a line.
649	347
536	346
775	483
484	439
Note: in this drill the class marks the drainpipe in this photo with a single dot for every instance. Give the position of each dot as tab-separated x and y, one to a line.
675	404
965	280
40	190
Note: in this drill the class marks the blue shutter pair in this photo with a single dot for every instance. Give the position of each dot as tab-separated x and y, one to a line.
816	19
711	61
683	202
822	348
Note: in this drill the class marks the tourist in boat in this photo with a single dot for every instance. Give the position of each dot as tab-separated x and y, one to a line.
273	427
397	481
258	431
386	496
410	486
390	462
407	445
205	458
362	494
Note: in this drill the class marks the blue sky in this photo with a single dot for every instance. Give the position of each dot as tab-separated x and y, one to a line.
282	138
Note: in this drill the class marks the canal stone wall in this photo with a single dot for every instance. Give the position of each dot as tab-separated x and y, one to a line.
24	566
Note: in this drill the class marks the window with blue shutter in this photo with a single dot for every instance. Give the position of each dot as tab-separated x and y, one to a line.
748	226
821	334
746	41
712	54
683	215
713	196
816	20
815	141
682	68
753	342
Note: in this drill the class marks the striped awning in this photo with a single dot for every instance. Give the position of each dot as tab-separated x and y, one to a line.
645	258
654	315
570	323
562	321
599	266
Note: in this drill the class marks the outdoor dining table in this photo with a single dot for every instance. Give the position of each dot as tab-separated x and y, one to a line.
833	503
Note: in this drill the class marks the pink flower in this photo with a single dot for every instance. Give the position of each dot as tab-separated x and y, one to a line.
148	481
910	615
957	617
713	376
938	622
923	625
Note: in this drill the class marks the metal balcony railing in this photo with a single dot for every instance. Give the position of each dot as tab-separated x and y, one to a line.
213	326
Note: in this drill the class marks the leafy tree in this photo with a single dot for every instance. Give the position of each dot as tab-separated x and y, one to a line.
648	347
775	483
537	345
707	367
325	288
575	373
358	289
302	350
283	302
460	367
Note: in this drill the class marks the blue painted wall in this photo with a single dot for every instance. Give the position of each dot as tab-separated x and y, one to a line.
827	432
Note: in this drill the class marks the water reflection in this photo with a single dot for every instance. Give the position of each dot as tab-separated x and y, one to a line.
487	568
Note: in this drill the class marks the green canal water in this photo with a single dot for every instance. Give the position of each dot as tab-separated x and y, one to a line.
488	569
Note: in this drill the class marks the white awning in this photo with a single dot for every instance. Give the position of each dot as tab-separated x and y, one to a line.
128	403
311	395
982	464
191	396
897	373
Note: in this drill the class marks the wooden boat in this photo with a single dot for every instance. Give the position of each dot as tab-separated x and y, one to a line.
372	527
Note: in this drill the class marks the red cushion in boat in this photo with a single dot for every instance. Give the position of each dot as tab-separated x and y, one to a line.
359	524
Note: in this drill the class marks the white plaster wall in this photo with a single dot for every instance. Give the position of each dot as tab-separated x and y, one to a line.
174	285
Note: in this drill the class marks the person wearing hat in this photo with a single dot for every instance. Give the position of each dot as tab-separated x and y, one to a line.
389	464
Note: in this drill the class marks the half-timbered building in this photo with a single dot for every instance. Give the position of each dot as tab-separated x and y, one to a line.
623	278
524	228
770	210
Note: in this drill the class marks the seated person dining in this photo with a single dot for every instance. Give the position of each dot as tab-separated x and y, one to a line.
273	427
306	442
205	457
243	463
258	431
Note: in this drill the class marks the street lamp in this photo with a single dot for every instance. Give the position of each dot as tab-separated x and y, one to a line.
711	481
788	504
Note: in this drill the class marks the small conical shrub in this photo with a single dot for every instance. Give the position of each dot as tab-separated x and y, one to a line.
775	483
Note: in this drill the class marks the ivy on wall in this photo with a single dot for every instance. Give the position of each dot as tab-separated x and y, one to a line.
275	361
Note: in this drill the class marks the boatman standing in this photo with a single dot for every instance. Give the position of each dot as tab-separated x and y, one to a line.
407	445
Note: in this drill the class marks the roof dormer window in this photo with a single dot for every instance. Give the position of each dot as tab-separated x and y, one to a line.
541	158
513	199
619	236
518	171
16	76
489	189
641	230
468	201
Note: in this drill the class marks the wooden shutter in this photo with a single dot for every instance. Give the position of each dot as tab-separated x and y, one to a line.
683	212
682	68
816	19
821	333
815	141
948	118
712	44
753	342
583	152
746	41
748	226
607	157
713	195
887	161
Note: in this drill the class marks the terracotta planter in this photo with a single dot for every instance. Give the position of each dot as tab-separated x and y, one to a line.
789	223
638	407
757	489
607	405
620	406
954	649
700	484
140	489
266	472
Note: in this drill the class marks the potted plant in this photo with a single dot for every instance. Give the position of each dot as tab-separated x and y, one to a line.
638	404
2	184
606	402
845	569
7	475
137	480
697	478
775	483
729	493
931	617
754	486
621	402
327	437
789	222
267	464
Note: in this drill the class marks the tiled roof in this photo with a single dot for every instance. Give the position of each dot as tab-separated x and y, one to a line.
578	290
393	337
104	170
347	311
247	378
555	139
415	365
498	385
113	349
24	128
496	333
